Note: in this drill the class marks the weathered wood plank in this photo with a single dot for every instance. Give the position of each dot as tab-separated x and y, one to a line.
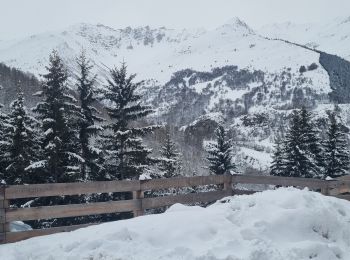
283	181
228	184
72	210
182	182
5	227
18	236
211	196
3	206
60	189
341	186
136	196
2	216
2	238
2	192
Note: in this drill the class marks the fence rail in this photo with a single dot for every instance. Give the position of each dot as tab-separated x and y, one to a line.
138	203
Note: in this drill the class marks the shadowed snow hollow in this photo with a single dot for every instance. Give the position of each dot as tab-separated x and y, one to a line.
283	224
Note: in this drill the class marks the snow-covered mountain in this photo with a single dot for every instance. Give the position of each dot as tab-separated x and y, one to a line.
196	78
329	36
158	53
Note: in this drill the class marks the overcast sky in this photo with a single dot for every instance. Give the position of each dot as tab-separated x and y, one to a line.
25	17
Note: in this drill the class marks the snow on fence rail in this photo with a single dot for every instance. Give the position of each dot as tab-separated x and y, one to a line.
138	204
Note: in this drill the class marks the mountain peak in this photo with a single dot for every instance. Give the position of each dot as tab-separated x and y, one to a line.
237	24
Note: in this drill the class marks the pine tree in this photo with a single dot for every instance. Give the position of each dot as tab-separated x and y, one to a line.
126	156
220	153
311	142
23	147
57	111
278	160
293	154
169	162
336	149
88	119
4	142
301	151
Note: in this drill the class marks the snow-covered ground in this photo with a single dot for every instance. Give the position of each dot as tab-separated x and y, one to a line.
273	225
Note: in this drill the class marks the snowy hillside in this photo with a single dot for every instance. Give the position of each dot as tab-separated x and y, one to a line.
285	224
329	36
158	53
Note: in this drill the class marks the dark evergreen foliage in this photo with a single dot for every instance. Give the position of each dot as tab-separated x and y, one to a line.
336	148
338	70
277	164
300	154
9	79
169	162
312	66
310	141
302	69
88	120
3	141
295	160
126	155
57	112
23	144
220	153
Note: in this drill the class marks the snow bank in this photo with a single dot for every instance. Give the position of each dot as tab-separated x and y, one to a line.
17	226
283	224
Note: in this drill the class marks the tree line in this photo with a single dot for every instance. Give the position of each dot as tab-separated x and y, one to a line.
64	138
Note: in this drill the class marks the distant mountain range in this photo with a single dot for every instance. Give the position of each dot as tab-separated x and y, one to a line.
248	79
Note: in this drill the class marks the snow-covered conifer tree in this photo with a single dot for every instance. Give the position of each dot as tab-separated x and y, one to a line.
88	119
301	148
278	160
337	157
127	156
169	162
3	141
220	153
23	146
57	112
310	141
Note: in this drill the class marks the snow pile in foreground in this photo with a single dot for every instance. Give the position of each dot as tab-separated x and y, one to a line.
283	224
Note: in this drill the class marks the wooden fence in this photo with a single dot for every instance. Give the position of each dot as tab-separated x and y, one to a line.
138	204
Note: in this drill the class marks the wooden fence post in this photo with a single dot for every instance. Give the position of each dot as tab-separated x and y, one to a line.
228	185
325	190
4	226
138	195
